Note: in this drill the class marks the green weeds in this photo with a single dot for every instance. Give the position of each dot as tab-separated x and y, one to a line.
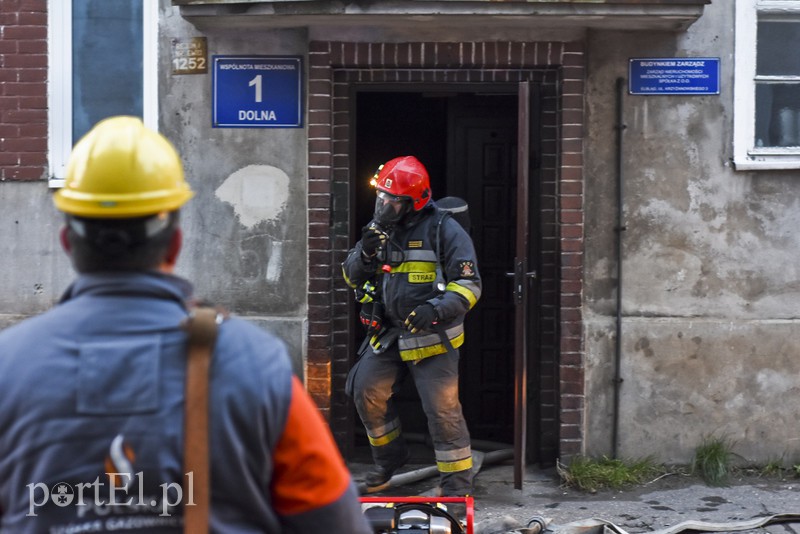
773	468
591	475
712	460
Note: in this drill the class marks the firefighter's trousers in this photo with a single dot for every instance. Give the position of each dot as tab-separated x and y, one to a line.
379	376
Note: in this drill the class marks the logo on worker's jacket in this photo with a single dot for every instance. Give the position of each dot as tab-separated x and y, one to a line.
119	463
467	269
415	244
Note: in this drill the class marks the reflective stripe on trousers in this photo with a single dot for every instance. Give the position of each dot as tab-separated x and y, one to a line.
380	376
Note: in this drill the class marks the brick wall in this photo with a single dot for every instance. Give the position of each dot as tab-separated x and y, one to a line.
558	70
23	89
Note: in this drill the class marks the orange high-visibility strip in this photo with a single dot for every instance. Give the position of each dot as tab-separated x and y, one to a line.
309	470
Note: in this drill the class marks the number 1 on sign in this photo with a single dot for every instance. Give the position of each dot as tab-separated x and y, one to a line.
257	83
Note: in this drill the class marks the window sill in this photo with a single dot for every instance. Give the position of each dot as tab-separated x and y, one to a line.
763	163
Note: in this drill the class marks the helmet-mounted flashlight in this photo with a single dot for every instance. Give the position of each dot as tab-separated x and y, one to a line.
374	180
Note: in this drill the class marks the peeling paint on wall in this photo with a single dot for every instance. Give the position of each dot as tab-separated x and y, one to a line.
771	381
275	262
258	193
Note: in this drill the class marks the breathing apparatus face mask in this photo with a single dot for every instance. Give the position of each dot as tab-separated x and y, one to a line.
390	210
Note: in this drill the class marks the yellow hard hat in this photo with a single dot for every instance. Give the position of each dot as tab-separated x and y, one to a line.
121	169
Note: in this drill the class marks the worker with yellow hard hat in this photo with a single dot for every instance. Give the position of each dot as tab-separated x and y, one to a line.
123	188
92	410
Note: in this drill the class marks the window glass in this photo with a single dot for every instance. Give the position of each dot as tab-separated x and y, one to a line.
103	61
107	61
778	43
777	114
777	88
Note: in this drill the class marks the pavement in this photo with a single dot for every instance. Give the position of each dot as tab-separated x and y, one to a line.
750	503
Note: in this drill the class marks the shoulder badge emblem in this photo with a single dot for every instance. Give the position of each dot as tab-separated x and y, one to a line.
467	269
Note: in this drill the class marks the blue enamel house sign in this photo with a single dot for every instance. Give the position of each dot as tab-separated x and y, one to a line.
674	76
257	92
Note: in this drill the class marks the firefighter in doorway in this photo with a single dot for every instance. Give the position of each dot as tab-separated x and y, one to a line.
425	273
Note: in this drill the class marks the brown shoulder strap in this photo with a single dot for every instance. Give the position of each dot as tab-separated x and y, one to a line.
201	326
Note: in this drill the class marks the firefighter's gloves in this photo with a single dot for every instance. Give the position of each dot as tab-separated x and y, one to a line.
422	318
371	240
371	315
370	321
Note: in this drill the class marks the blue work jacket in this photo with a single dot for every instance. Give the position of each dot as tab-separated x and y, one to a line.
91	421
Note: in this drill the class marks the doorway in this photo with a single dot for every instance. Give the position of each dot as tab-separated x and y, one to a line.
467	139
340	72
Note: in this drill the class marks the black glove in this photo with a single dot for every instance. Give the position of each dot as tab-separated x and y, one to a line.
371	315
371	240
422	318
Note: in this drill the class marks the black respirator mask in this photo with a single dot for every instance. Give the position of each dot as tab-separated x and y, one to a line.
390	210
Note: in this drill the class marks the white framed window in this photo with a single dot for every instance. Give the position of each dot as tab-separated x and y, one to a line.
767	85
103	61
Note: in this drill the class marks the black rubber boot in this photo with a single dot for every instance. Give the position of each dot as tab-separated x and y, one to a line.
380	475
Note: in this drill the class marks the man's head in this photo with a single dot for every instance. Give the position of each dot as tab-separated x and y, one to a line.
403	187
124	185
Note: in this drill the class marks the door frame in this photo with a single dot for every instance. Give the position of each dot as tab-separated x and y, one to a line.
559	68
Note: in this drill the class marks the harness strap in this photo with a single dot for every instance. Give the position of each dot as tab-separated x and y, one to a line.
440	278
364	344
201	325
445	340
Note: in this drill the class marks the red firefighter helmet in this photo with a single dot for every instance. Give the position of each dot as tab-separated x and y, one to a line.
405	177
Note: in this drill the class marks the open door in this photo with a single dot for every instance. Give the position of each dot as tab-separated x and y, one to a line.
522	274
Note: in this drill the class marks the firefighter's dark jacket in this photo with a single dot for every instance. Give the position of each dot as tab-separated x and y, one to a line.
406	272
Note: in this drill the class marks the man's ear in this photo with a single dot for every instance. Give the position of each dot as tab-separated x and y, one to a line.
174	250
65	244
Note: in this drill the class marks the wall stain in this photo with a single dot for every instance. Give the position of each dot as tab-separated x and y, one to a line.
643	345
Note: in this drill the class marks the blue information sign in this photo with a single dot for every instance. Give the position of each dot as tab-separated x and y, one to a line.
257	92
674	76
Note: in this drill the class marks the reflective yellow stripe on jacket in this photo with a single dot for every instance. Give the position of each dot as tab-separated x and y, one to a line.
467	289
421	347
415	267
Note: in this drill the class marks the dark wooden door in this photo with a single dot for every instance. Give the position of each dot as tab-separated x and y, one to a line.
491	163
483	171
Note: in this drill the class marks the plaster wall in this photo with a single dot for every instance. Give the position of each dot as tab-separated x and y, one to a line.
34	271
246	226
709	266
